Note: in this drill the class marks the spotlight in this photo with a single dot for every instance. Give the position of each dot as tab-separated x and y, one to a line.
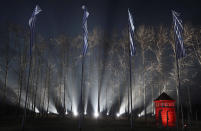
54	111
96	114
139	115
48	112
107	113
85	113
75	113
66	112
118	115
36	110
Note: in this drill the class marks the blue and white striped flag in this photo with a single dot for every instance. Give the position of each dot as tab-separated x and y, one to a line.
85	31
178	29
32	20
131	34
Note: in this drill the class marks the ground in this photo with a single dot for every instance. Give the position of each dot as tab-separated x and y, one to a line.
89	124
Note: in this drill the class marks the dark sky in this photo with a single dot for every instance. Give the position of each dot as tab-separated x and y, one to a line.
65	16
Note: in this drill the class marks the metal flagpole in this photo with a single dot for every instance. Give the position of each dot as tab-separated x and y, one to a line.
132	52
130	63
128	103
179	105
178	92
81	95
27	88
179	53
85	39
29	72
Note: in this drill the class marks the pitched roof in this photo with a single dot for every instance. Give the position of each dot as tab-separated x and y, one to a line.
163	96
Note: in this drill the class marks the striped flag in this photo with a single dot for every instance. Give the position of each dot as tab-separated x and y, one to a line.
32	20
178	29
131	34
85	31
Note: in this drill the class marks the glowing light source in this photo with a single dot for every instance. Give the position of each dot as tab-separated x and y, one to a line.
118	115
75	113
107	113
66	112
96	114
36	110
139	115
85	113
48	112
54	110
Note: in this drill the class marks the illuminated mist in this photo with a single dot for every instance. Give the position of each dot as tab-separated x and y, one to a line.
56	71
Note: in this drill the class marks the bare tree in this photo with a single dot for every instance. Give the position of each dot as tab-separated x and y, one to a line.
6	59
63	42
39	50
145	37
21	45
161	42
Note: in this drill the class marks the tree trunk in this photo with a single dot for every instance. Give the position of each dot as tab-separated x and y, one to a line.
48	86
5	81
37	80
40	99
143	73
20	90
190	108
152	98
106	99
195	49
119	97
65	109
44	94
128	102
98	95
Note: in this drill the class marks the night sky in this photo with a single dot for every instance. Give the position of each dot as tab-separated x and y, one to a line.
65	16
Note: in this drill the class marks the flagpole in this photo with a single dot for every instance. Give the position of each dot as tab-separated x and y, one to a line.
128	103
28	77
81	95
130	63
85	38
178	92
178	86
179	53
130	75
179	105
132	52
